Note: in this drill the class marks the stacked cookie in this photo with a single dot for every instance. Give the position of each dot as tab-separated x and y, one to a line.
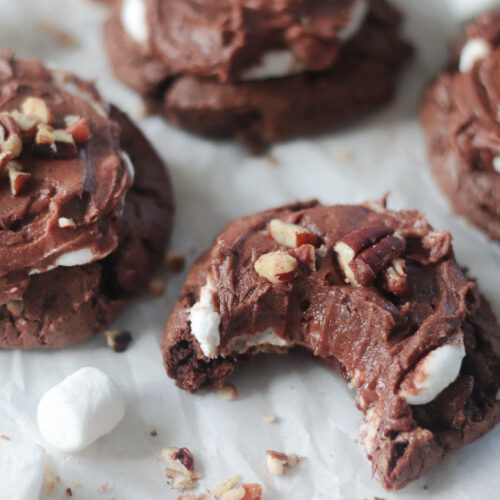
86	208
460	116
259	71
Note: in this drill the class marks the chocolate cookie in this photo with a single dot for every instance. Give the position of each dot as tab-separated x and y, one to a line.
461	121
85	208
259	71
376	295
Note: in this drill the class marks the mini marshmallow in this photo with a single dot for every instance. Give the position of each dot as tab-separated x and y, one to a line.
474	50
205	320
436	371
358	14
22	468
83	407
134	20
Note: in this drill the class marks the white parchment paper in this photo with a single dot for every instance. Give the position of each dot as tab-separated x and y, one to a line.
214	183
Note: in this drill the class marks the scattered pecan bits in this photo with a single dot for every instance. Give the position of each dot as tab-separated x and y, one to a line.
17	178
65	222
157	286
394	278
230	490
26	123
15	307
291	235
276	267
366	252
11	142
306	256
77	127
56	144
118	340
277	461
38	109
180	468
228	391
175	261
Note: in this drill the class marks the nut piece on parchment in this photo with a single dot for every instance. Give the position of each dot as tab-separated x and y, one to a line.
175	261
229	490
180	468
11	141
118	340
276	267
228	391
277	461
291	235
364	253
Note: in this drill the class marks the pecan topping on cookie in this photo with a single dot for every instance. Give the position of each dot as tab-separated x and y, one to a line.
291	235
276	267
366	252
11	143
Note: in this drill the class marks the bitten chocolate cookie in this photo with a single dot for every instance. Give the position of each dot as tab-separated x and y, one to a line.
375	294
85	208
259	71
460	117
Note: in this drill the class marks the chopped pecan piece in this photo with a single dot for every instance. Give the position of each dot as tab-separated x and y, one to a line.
277	461
56	144
11	142
180	468
291	235
228	391
37	108
78	128
17	177
366	252
394	278
306	256
26	123
276	267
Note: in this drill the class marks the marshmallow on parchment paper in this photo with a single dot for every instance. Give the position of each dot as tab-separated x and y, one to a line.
83	407
22	468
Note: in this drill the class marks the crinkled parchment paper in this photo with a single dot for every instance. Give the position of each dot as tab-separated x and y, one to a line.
215	182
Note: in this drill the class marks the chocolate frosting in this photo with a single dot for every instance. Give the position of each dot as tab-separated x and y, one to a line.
222	38
88	189
373	337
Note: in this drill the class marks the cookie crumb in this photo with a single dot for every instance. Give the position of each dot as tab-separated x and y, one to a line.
68	492
175	261
228	391
3	436
153	433
103	488
157	286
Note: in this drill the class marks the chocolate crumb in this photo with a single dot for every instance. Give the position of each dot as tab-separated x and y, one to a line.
154	433
68	492
175	262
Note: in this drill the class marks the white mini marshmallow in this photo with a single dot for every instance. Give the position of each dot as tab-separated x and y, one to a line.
134	20
474	50
274	64
358	14
436	371
205	320
496	164
281	63
22	468
83	407
77	258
